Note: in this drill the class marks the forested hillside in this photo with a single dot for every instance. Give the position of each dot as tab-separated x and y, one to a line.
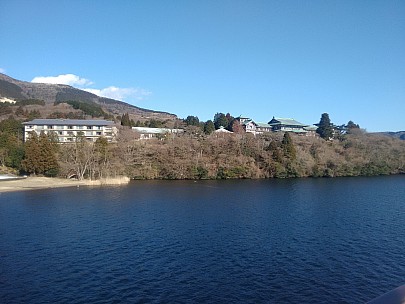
273	155
195	155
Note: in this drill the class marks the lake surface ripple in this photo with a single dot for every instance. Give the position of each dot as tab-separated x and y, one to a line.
336	240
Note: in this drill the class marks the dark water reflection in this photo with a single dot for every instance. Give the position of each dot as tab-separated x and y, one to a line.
272	241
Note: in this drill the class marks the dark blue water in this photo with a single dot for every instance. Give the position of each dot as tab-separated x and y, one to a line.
273	241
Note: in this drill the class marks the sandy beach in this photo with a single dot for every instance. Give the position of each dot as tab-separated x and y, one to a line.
32	183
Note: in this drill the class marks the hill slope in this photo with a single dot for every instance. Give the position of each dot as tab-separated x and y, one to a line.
399	134
51	93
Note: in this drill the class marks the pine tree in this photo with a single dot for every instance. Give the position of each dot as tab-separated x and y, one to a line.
230	119
288	147
125	121
220	120
325	129
32	154
351	126
192	121
209	127
275	152
48	161
40	155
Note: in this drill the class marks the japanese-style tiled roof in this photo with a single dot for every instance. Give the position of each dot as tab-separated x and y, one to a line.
258	124
285	121
263	125
247	122
311	128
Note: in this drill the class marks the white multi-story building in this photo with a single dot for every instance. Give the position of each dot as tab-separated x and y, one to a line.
148	133
68	129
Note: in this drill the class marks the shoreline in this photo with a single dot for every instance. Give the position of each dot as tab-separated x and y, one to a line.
34	183
37	183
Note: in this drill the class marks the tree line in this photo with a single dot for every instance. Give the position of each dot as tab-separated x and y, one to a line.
326	129
201	155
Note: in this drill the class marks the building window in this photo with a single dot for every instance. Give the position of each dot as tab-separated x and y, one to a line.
70	127
88	127
98	133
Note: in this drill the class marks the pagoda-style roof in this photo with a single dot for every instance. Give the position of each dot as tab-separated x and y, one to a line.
285	122
257	124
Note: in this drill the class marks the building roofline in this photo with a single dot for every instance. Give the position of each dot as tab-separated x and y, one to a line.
63	122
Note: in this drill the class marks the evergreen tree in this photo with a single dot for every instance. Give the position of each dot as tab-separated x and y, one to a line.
220	120
351	126
31	162
11	151
102	156
230	120
288	147
40	155
275	152
34	114
192	121
125	121
153	123
48	162
209	127
13	127
11	143
325	129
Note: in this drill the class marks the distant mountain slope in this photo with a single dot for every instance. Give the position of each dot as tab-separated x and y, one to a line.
399	134
51	93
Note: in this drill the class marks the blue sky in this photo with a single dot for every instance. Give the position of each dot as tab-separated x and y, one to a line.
258	59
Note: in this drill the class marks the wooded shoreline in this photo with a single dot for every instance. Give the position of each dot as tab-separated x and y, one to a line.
194	155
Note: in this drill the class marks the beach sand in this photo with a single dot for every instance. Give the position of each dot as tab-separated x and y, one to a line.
32	183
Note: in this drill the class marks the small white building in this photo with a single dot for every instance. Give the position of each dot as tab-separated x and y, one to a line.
148	133
222	130
68	129
253	127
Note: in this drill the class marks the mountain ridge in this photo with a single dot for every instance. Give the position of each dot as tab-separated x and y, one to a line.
50	93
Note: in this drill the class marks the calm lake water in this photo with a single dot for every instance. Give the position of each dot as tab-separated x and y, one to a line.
336	240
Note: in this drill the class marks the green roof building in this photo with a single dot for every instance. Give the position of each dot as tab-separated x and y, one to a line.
287	125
